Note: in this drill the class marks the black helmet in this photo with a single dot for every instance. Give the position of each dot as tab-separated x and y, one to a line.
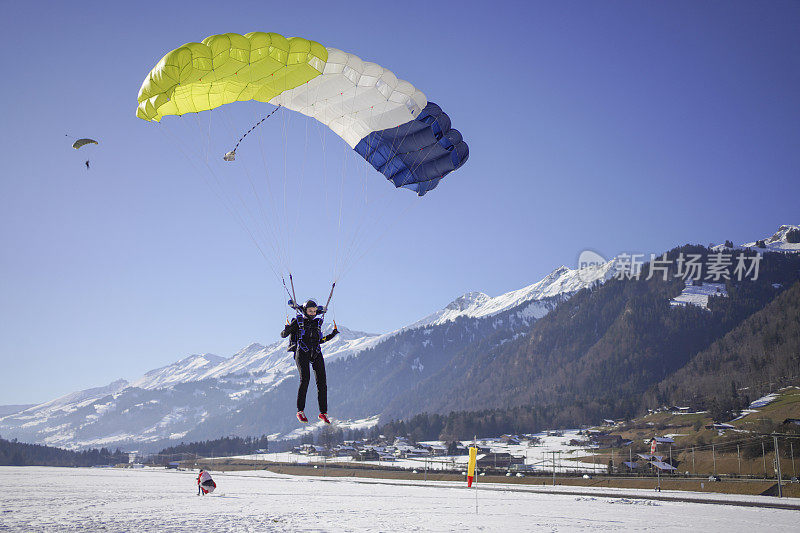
310	303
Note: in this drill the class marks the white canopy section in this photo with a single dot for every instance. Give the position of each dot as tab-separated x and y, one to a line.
354	97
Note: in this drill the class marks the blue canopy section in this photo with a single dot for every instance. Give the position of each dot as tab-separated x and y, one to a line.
417	154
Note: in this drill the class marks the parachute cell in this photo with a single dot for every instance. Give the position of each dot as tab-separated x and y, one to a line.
417	154
386	120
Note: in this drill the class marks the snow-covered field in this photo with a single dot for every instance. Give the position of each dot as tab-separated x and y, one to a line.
83	499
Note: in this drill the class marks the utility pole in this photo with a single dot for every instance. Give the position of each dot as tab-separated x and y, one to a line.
694	470
764	458
554	469
739	458
714	459
791	450
659	479
778	466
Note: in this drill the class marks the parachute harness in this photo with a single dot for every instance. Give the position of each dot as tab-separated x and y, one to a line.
301	316
231	156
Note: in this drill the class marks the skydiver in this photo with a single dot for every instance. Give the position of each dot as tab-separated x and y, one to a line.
305	337
87	164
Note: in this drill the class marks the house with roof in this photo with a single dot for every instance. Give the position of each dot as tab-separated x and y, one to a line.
498	460
663	467
632	466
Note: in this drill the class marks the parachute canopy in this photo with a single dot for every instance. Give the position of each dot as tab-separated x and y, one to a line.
83	142
386	120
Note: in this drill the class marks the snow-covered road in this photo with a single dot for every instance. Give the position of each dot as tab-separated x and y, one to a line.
82	499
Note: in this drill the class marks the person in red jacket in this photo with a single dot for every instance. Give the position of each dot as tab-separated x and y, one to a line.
204	483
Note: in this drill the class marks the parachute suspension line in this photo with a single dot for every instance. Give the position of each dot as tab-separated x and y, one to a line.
361	238
230	156
380	237
217	192
250	219
275	206
287	207
361	244
302	176
362	219
283	280
268	231
286	121
322	140
341	206
243	215
345	153
325	309
294	295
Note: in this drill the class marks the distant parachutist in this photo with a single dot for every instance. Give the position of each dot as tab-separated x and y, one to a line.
87	164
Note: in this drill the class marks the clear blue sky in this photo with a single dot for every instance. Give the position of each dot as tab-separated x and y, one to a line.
616	126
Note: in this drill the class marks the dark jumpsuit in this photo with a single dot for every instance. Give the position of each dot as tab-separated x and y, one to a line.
305	337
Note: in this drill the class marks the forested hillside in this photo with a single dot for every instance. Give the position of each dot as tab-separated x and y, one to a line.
759	356
597	354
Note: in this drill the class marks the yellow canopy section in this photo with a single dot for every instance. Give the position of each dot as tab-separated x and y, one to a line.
228	68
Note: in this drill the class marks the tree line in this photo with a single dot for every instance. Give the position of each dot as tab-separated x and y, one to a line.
13	453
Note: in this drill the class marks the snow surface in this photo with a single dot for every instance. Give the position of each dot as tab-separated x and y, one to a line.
699	294
83	499
311	427
764	400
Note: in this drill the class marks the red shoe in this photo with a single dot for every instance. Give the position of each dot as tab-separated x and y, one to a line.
324	418
301	416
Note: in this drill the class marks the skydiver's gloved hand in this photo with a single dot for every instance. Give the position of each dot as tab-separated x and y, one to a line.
334	333
286	331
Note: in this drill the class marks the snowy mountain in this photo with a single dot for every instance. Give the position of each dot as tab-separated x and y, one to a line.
559	282
786	239
204	396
